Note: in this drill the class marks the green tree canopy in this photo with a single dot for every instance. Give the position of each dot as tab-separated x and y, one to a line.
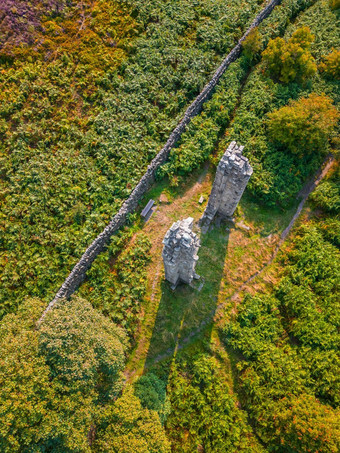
34	416
128	427
331	65
252	45
304	126
152	394
290	61
83	349
53	379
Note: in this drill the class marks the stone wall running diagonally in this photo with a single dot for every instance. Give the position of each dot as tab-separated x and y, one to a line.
78	273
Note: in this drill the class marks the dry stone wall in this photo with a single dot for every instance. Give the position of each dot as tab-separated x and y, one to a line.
78	273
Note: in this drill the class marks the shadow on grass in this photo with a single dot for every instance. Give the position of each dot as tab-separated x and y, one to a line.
188	311
267	219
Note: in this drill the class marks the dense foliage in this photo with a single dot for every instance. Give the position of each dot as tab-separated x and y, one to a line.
331	65
152	394
327	194
54	380
128	427
83	349
290	61
289	343
252	45
117	286
205	414
304	126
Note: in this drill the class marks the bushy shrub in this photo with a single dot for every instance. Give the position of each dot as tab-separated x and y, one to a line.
305	125
327	196
152	394
290	61
331	65
252	45
127	427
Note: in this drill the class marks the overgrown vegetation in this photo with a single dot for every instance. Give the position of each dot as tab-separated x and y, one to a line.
278	173
80	120
90	92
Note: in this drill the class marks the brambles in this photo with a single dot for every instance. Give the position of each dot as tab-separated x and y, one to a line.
291	61
304	126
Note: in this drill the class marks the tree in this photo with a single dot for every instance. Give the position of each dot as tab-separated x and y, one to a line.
331	65
33	414
252	44
128	427
290	61
84	350
304	126
54	379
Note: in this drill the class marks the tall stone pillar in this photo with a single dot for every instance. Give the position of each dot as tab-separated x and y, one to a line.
232	175
181	245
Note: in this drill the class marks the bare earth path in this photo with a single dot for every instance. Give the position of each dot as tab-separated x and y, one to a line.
156	229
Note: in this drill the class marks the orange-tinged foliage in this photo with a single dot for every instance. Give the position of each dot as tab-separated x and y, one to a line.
331	64
307	425
304	125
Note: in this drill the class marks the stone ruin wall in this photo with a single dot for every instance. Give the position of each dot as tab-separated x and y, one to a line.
181	245
232	176
78	273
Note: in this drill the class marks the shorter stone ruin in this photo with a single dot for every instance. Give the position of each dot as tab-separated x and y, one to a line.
232	175
181	245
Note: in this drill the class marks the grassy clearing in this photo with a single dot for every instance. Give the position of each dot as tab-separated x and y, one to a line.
229	255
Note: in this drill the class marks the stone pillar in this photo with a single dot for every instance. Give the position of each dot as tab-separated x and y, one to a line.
181	245
232	175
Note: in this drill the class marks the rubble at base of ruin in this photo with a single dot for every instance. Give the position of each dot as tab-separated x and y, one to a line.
232	176
181	245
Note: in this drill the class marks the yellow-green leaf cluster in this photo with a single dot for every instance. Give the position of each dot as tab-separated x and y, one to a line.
290	61
304	126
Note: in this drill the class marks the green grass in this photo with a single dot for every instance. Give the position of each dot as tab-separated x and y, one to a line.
268	220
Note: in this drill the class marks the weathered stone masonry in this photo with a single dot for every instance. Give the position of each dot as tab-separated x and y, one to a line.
232	175
181	245
78	273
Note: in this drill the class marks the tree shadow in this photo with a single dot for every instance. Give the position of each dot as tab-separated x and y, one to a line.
188	311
